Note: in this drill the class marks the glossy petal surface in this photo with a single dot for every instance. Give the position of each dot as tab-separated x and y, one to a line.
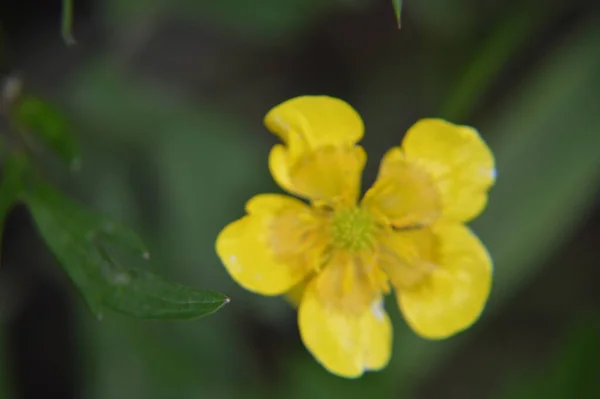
342	321
453	293
328	174
274	247
403	193
310	122
457	161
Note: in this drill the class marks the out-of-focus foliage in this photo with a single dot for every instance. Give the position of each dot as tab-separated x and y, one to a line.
547	149
11	185
169	119
270	21
4	380
571	374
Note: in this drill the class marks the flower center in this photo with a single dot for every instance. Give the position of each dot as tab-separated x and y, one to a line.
353	229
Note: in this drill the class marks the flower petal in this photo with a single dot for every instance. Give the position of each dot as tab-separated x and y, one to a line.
406	256
342	321
403	194
327	174
457	160
310	122
454	288
274	247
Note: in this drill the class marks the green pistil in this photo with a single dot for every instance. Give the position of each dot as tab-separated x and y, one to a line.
353	229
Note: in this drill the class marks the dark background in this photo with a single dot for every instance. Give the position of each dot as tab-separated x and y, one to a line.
167	99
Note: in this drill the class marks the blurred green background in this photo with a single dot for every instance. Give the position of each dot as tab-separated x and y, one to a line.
167	99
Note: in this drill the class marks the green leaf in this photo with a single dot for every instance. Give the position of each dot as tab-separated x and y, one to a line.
146	296
71	247
96	228
79	239
49	125
398	11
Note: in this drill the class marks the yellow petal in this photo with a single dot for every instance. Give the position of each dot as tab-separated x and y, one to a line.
279	165
274	247
346	341
403	194
458	161
406	256
310	122
452	294
327	174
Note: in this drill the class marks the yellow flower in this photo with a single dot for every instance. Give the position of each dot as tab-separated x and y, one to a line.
339	256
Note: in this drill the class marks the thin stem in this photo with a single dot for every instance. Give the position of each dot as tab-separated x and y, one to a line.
67	22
